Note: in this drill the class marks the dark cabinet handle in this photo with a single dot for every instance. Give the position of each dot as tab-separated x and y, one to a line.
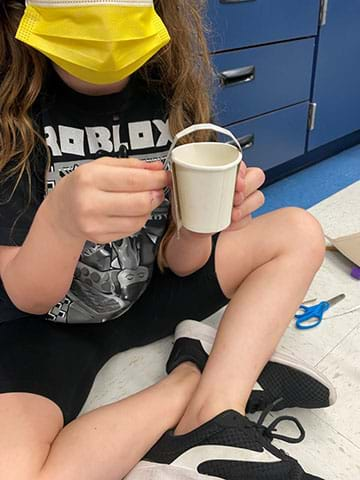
236	1
237	75
247	141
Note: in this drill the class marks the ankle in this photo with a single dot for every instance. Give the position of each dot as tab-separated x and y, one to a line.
186	371
188	367
195	416
183	382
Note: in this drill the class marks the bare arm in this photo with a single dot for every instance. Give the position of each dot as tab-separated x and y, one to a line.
39	274
189	253
101	201
192	251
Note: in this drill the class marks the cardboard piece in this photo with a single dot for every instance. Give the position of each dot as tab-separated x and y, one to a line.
349	246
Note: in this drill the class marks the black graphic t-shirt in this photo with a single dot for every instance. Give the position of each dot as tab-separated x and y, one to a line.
79	128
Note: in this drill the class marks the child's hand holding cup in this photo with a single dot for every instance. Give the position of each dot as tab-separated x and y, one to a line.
204	178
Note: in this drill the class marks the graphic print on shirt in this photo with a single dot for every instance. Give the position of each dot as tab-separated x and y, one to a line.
83	142
110	277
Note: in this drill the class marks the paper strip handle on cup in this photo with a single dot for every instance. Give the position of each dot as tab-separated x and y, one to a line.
169	162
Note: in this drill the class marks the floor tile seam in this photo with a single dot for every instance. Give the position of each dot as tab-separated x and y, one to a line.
335	346
336	431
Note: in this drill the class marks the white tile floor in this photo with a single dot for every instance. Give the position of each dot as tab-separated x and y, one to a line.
331	448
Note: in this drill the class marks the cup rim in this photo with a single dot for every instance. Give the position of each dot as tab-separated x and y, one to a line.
217	168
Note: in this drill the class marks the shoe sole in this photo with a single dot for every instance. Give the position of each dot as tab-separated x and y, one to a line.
206	335
154	471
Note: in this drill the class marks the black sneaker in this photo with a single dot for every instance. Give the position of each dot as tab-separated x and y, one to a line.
229	447
294	382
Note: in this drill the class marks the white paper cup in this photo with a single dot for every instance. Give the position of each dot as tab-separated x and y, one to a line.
204	179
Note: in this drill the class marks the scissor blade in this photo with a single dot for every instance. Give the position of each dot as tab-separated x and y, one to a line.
333	301
311	300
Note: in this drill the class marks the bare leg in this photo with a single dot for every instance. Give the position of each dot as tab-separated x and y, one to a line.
266	270
104	444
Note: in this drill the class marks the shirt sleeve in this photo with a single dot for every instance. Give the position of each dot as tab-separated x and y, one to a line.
18	205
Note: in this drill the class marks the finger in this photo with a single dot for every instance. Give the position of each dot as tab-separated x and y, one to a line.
240	184
242	169
105	229
255	177
101	239
244	222
118	179
158	165
130	225
250	205
239	197
130	162
135	204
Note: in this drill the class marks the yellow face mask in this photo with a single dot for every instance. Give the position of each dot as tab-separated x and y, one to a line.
99	41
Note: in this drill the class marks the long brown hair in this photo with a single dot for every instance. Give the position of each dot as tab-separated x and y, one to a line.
184	78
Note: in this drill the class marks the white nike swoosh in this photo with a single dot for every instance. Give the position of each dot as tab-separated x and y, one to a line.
205	453
258	387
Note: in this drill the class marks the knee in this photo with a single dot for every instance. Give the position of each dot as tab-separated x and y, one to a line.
28	426
305	235
22	462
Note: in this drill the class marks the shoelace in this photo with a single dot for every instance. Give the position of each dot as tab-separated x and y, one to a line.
270	430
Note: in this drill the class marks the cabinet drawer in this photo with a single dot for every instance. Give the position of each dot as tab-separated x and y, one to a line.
273	138
241	23
257	80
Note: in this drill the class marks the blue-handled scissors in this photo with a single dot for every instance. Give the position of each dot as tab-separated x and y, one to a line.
315	313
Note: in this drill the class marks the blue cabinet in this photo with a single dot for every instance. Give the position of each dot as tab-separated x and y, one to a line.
242	23
257	80
274	62
337	74
274	138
